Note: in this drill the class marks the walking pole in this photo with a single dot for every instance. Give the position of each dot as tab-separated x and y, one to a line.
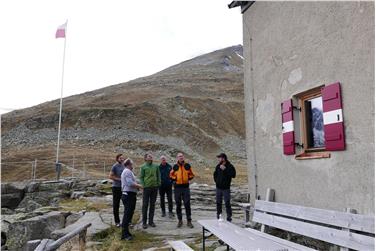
60	33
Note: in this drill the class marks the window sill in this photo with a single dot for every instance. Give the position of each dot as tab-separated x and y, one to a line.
313	155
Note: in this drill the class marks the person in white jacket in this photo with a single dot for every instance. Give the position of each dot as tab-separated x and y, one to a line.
129	187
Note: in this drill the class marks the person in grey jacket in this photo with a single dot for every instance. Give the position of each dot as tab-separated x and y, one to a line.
115	174
129	187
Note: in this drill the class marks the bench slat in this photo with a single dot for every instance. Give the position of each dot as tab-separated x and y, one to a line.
180	246
331	235
287	243
239	238
364	223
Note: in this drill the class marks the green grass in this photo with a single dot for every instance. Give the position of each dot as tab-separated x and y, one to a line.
82	204
111	241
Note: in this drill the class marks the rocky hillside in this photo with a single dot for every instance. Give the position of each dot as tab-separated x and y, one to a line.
195	107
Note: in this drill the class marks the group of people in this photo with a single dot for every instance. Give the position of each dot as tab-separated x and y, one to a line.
162	177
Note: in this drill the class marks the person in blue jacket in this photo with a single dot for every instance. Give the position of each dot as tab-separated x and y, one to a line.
166	186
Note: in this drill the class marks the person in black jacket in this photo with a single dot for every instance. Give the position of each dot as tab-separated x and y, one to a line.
166	186
223	174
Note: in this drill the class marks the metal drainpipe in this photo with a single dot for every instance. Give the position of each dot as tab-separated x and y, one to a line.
253	122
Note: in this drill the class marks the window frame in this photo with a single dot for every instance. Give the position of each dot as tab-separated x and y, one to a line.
310	94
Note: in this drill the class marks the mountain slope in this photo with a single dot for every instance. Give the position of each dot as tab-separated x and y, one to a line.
195	107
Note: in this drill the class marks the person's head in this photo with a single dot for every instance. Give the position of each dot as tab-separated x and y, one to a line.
180	157
148	158
222	158
163	160
120	158
128	163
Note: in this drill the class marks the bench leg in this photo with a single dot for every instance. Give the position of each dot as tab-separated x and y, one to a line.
203	239
228	248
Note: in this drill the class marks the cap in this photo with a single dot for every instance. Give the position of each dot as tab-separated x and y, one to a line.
222	155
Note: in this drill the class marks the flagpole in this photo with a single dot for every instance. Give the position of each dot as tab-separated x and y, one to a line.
61	108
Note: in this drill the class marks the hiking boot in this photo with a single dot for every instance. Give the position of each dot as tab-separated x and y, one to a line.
118	225
144	226
152	224
189	224
163	214
128	238
180	223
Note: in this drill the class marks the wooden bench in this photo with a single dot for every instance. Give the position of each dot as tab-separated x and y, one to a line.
347	230
179	246
50	245
241	239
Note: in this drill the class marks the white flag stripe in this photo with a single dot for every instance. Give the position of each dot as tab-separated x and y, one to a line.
333	117
288	126
63	26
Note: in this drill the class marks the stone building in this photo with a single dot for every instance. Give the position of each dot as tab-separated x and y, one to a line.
309	98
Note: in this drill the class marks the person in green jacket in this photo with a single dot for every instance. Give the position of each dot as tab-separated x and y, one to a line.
150	179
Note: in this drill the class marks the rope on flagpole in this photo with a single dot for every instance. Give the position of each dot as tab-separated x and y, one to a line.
61	108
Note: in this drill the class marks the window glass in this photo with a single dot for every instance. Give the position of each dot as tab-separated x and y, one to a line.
315	122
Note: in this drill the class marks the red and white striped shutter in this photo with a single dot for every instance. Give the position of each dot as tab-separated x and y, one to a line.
333	119
288	127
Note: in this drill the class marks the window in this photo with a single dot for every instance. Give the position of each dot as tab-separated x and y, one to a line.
312	132
318	116
314	123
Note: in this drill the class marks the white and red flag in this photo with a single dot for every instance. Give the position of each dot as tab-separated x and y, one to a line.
61	30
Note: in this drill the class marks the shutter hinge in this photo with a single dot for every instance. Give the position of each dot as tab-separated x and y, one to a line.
297	108
299	145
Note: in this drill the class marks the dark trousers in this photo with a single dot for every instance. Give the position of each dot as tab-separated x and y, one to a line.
129	202
116	197
168	191
149	197
226	195
183	193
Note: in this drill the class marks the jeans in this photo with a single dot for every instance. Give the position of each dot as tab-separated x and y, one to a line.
168	191
116	197
183	193
129	202
226	195
149	196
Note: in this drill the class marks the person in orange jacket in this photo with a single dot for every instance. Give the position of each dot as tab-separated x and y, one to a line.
181	174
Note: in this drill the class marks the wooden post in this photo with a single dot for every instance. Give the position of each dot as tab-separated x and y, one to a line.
269	197
352	211
73	167
32	245
104	169
84	170
35	169
82	240
32	169
43	245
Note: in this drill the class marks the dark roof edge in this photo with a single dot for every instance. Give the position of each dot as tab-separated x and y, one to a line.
244	5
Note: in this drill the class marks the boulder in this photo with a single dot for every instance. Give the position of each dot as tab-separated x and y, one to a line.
38	227
99	223
77	194
73	217
44	198
5	210
12	194
32	205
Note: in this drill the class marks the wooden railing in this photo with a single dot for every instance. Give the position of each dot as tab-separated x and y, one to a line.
50	245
